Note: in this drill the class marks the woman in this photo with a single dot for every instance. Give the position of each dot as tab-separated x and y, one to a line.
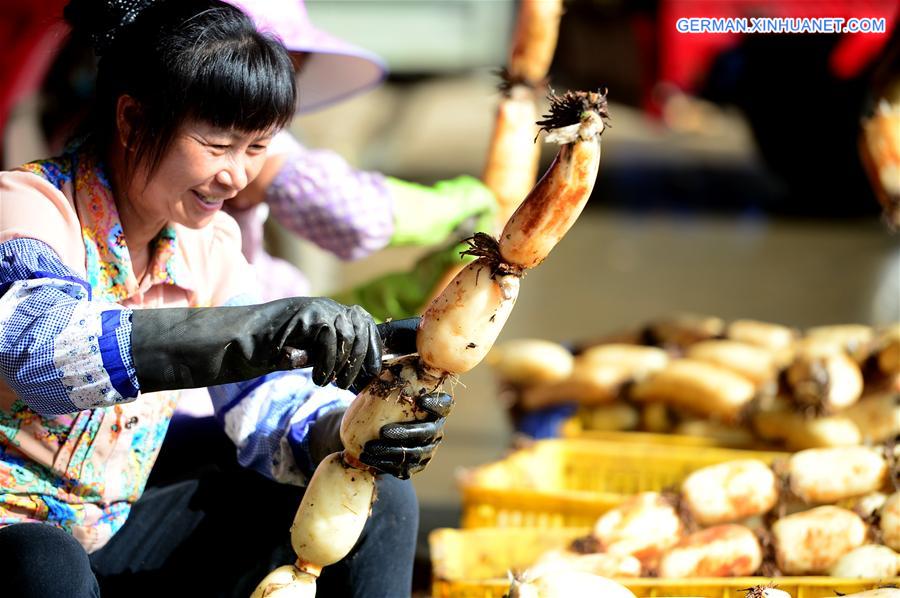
189	95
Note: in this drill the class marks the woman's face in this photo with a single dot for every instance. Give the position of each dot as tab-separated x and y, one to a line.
204	167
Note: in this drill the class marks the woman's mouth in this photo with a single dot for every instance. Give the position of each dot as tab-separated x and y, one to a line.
211	204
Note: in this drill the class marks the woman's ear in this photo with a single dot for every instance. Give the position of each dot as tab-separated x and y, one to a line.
128	111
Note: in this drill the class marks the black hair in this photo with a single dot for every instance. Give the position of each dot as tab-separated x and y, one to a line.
181	59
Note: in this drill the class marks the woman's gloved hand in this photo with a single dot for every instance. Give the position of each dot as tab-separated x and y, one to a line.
406	448
176	348
403	449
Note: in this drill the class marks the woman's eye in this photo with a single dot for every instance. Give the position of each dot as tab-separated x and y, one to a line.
257	147
219	146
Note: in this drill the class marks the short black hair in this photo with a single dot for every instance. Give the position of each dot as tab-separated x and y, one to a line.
182	59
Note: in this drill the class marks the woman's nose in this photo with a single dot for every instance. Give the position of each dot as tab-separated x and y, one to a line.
234	176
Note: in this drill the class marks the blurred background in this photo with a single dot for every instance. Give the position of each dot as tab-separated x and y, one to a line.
730	185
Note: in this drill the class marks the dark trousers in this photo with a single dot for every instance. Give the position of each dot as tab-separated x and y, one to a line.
214	534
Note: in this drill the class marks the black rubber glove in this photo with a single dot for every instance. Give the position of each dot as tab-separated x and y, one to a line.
403	449
176	348
406	448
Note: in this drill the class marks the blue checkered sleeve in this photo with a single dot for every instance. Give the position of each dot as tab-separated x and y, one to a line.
60	351
269	418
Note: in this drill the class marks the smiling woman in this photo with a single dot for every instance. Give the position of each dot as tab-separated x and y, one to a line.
189	95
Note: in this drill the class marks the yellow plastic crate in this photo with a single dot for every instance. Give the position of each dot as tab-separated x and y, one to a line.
473	563
570	483
488	553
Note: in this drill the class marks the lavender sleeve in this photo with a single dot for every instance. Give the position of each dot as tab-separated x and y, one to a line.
323	199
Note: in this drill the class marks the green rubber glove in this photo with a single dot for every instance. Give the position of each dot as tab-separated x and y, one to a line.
428	215
403	294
